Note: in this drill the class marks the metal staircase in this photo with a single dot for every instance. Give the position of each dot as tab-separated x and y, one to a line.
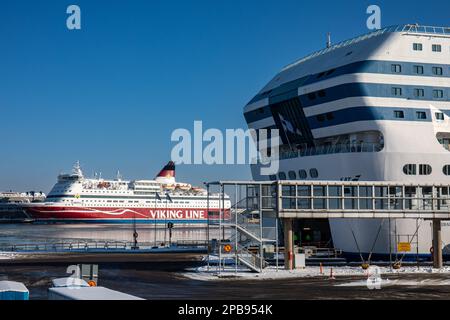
242	233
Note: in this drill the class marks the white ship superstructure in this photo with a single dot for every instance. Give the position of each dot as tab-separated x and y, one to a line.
376	107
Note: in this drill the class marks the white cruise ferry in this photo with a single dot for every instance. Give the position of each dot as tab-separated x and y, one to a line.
375	108
75	198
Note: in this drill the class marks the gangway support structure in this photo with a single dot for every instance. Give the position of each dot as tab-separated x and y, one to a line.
287	200
437	247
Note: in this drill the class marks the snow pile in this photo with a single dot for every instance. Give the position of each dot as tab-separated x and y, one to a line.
229	272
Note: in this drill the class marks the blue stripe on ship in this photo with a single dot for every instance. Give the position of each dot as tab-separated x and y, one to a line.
356	89
367	66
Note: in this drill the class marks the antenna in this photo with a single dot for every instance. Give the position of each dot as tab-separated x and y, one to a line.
329	40
77	169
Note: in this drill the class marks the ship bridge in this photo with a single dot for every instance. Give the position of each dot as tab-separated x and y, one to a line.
258	208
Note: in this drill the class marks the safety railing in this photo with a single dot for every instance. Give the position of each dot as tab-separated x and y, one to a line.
332	149
408	28
250	259
95	245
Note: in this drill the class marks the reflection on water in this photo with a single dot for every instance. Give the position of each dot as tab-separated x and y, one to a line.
33	233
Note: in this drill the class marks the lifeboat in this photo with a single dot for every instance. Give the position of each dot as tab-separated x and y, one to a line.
184	186
103	184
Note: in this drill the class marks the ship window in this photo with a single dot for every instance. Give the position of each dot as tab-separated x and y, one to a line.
438	94
273	177
320	75
313	173
302	174
424	169
330	116
418	69
399	114
311	96
330	71
396	68
396	91
409	169
292	175
417	47
421	115
437	71
439	116
282	175
436	48
322	93
446	170
419	93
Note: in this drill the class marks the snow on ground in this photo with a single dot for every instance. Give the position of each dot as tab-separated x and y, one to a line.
7	255
385	282
229	272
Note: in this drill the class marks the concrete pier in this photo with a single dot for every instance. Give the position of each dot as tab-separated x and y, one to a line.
288	244
437	244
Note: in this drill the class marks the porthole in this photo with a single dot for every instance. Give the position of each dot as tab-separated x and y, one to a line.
282	175
446	169
313	173
302	174
409	169
292	175
424	169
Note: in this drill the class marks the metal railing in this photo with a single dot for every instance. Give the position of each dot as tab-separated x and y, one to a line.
250	259
408	28
77	246
331	149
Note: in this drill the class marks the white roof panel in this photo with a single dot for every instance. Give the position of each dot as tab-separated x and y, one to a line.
12	286
91	293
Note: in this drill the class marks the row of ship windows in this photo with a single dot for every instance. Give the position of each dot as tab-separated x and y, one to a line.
434	47
424	169
302	175
135	201
421	115
399	114
92	191
130	202
416	47
418	69
418	92
395	91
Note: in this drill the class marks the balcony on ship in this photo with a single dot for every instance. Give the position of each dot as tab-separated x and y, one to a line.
331	149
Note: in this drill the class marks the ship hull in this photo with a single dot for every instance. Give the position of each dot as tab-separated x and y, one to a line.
54	213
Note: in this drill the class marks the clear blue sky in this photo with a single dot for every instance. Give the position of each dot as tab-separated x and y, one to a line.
111	94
